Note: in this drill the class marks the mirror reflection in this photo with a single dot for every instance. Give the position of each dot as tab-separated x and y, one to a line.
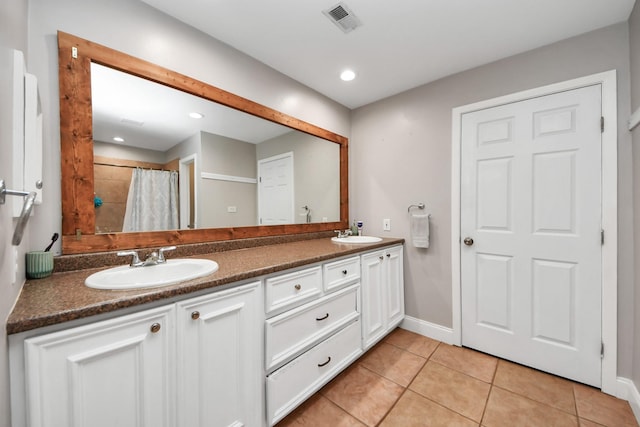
165	159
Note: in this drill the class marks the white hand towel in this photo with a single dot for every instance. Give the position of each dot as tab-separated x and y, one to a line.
420	230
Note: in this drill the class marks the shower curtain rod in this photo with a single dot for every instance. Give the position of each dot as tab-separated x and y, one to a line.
134	167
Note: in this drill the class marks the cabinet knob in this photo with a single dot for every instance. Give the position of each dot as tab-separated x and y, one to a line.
298	287
155	328
381	258
344	272
195	315
388	255
320	365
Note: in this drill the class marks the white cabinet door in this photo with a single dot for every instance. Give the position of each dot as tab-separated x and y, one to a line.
117	372
382	293
395	288
219	359
373	322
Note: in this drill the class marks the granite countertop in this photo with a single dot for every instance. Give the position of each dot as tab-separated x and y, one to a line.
63	296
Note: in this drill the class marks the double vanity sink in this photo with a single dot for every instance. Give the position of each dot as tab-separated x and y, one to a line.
174	271
266	331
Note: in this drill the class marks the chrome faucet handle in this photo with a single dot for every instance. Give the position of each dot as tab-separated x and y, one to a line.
161	252
135	261
345	233
151	259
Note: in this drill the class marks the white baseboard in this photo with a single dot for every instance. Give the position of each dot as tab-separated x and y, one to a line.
628	391
428	329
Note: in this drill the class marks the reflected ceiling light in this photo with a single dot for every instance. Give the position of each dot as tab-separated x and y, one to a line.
118	139
348	75
196	115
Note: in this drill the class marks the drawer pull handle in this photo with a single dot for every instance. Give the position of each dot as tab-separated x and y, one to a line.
344	272
195	315
319	319
320	365
298	287
155	328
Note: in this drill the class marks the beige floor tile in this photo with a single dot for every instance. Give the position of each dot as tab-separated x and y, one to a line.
459	392
506	409
413	410
363	394
467	361
393	363
319	411
410	341
607	410
536	385
586	423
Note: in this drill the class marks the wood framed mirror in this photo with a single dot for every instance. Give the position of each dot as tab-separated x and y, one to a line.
75	58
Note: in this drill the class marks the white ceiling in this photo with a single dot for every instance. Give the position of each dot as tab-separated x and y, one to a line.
156	117
401	44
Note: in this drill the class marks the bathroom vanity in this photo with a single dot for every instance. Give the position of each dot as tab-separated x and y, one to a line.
244	346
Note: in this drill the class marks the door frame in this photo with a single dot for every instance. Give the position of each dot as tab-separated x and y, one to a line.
184	190
607	80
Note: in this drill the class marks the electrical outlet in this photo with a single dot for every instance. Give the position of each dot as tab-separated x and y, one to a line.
232	209
386	224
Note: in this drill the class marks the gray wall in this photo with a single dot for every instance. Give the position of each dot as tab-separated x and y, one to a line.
401	154
634	36
226	156
13	35
316	169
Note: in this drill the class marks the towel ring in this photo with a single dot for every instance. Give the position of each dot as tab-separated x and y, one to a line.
419	206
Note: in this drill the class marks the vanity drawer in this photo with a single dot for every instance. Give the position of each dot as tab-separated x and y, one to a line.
293	332
341	273
294	382
293	289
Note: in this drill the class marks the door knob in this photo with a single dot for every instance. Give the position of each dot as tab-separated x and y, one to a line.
468	241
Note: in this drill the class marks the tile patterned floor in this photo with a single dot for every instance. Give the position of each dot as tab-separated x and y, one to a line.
410	380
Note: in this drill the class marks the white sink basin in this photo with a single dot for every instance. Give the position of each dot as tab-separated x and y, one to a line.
356	239
171	272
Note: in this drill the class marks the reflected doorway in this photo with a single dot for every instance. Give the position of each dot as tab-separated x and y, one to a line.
188	192
275	190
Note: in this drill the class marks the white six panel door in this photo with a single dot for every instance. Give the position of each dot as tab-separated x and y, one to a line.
531	202
275	190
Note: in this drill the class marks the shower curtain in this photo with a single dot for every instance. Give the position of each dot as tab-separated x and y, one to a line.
152	203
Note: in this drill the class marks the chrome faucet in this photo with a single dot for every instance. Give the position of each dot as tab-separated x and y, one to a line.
154	258
345	233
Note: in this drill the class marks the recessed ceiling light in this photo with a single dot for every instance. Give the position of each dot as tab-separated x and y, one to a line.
348	75
196	115
118	139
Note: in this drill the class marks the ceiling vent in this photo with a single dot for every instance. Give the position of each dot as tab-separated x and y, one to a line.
343	17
